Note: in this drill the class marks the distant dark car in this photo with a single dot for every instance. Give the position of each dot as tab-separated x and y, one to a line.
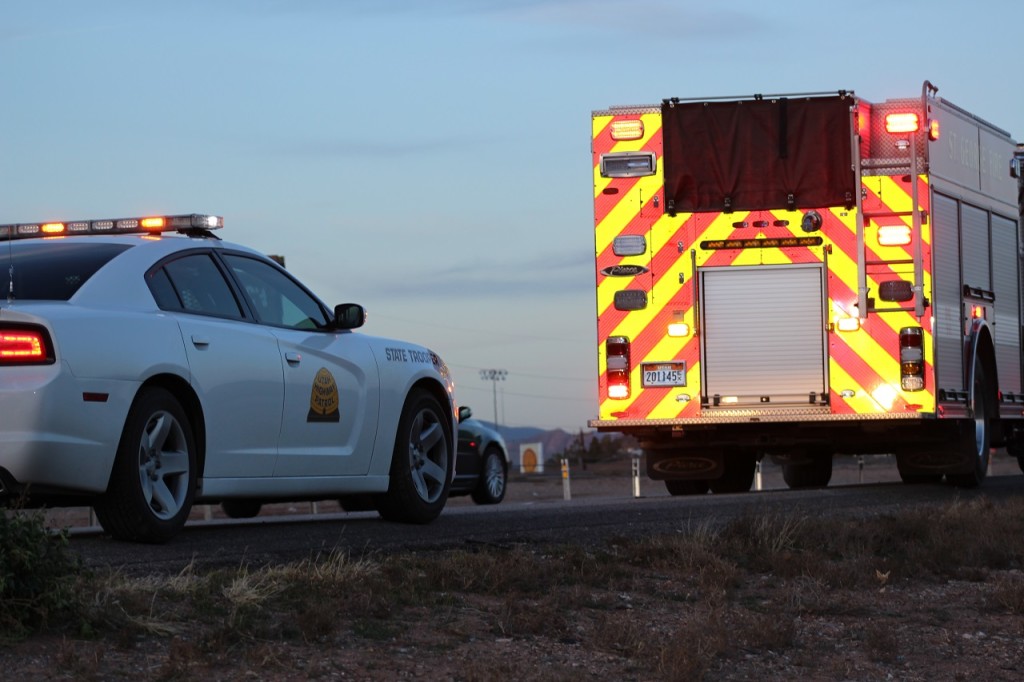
481	467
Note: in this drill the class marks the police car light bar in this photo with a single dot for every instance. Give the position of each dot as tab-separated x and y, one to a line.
193	222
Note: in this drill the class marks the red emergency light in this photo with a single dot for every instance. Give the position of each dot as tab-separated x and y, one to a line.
906	122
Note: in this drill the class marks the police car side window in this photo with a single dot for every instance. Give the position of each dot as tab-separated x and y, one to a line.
163	291
200	287
276	298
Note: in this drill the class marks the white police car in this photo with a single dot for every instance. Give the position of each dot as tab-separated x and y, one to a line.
146	365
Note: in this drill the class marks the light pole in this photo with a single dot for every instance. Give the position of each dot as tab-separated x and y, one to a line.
494	376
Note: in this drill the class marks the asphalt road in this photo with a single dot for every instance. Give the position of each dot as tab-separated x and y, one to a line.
271	540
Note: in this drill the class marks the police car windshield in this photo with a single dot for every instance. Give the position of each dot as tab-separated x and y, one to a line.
47	270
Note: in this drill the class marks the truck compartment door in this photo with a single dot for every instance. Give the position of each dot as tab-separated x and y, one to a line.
763	336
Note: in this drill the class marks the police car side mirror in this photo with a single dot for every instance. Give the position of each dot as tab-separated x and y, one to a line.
464	413
349	316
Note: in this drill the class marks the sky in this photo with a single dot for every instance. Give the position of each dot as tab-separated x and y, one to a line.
431	159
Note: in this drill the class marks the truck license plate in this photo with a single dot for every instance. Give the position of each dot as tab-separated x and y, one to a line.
664	374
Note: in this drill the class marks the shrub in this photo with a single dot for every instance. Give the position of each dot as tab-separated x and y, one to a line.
38	574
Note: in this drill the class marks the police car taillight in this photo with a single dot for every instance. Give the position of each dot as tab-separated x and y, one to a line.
25	346
617	361
189	223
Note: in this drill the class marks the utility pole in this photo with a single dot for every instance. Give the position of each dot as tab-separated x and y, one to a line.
494	376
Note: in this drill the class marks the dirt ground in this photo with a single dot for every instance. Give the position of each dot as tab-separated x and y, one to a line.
770	629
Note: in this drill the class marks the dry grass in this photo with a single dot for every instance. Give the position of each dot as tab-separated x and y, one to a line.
772	595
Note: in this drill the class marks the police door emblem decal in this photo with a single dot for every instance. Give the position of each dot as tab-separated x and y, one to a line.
323	399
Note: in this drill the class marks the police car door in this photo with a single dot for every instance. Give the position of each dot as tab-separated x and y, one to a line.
235	366
331	387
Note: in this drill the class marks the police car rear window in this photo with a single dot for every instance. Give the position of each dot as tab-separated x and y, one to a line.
48	270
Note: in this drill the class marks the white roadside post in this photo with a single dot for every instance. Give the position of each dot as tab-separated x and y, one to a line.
757	476
566	492
636	475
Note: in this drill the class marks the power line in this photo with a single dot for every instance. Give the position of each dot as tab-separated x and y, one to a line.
460	388
527	374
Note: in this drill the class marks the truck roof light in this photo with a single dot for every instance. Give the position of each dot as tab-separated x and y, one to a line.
904	122
627	129
187	223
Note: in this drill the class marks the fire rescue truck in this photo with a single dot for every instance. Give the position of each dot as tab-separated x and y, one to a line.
803	275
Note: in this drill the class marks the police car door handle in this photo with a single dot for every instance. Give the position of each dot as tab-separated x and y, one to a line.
293	358
200	341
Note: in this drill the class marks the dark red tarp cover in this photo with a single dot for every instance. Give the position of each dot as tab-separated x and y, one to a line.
757	154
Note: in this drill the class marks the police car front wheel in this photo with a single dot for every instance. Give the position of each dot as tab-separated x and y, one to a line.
421	464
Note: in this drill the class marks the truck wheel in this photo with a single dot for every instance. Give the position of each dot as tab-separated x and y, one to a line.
421	465
739	473
976	435
920	479
686	487
1015	448
814	474
153	480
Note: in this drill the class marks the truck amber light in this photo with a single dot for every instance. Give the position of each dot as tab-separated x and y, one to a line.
617	359
933	130
627	129
901	123
22	345
893	235
911	359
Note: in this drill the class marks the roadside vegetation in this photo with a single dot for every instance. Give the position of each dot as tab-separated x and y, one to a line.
763	595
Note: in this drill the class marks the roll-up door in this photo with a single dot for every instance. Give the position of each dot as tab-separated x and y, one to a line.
763	335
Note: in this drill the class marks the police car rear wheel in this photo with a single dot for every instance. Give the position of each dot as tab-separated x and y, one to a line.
153	481
421	464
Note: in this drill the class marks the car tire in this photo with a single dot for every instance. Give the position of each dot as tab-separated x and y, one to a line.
676	487
241	509
493	478
421	465
738	477
153	480
815	473
976	434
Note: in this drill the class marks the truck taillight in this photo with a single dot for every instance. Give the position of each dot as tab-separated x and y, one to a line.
25	346
617	360
911	359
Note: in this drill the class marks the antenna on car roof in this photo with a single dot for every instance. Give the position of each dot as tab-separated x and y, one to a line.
10	271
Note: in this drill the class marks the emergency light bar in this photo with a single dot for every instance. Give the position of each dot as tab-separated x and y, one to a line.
194	222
